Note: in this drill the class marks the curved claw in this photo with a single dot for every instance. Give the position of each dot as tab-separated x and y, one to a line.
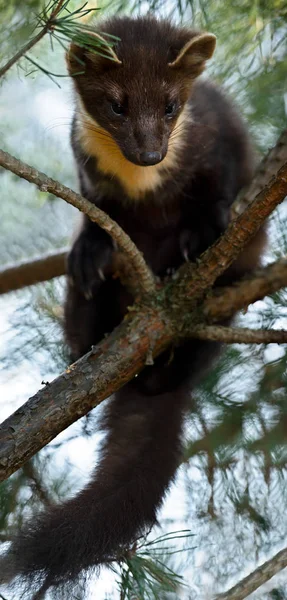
87	262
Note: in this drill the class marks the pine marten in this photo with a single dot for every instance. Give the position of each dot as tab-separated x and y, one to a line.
164	154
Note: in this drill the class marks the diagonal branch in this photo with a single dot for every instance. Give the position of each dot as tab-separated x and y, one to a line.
194	280
83	386
23	51
145	279
252	582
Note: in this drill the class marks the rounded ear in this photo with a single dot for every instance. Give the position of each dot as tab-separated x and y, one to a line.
102	56
75	59
195	53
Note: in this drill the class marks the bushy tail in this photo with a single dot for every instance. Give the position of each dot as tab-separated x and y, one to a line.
139	459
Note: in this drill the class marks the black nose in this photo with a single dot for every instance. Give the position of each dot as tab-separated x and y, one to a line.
150	158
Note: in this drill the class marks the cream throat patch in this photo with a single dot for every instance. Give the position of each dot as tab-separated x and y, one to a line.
136	180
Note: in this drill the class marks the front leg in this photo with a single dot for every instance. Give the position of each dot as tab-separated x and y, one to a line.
90	258
88	306
202	225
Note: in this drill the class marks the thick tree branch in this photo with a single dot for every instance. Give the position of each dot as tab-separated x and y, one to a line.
238	335
226	301
252	582
83	386
145	279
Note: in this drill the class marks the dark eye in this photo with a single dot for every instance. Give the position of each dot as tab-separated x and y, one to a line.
170	108
117	108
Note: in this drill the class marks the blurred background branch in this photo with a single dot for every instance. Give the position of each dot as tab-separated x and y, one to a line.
25	273
257	578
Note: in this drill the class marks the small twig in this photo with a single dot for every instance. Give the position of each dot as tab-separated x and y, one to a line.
33	41
56	10
252	582
145	279
266	281
23	51
238	335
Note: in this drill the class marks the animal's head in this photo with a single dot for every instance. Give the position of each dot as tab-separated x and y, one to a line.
138	93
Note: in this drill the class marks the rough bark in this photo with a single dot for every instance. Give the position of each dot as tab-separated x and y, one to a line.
82	387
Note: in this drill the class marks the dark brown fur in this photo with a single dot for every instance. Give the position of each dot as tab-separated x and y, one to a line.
179	216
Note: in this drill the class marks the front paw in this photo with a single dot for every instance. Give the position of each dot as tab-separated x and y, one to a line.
193	243
88	262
